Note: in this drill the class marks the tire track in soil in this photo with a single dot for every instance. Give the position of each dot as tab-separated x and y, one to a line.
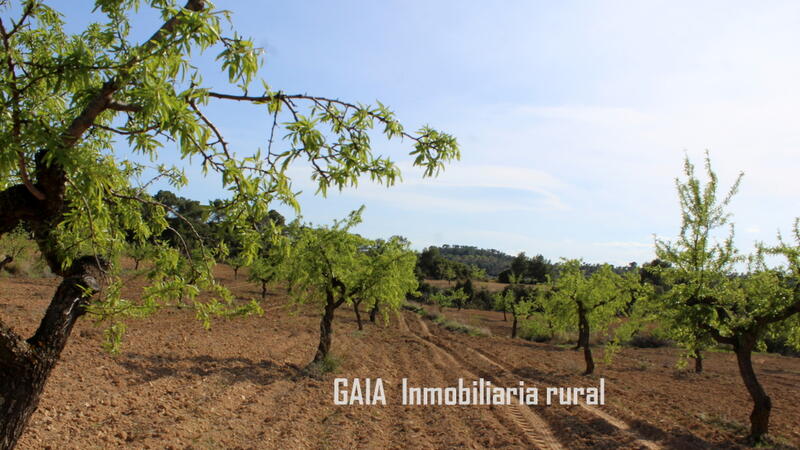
534	428
433	365
471	426
582	421
397	438
597	412
401	322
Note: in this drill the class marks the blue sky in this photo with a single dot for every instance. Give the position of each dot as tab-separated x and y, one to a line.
573	117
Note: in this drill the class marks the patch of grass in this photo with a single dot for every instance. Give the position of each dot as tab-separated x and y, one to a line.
358	333
648	340
329	364
448	324
722	423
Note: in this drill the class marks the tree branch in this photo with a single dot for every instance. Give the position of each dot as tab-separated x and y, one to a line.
714	333
124	107
784	314
287	100
23	173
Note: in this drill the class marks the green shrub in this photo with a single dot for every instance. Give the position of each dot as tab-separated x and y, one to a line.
535	330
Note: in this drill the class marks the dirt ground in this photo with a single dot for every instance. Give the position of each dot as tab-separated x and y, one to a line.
242	385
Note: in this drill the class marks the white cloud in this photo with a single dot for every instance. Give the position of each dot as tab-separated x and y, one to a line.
618	244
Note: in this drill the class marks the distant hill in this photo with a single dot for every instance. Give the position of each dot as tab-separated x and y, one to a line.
491	260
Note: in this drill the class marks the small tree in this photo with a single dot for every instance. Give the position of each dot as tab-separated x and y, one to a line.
329	267
386	278
501	301
13	245
139	252
696	264
447	271
518	300
263	271
591	303
522	305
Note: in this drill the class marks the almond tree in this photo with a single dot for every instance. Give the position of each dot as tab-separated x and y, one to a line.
12	246
591	303
68	98
329	267
519	300
385	281
701	259
711	300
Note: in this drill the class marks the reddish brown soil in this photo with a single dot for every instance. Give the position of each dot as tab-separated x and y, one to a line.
241	385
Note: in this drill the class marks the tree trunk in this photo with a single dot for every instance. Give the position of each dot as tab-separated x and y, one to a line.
235	273
136	264
358	315
25	365
762	404
263	290
7	260
514	327
698	361
587	356
325	332
583	339
504	315
373	313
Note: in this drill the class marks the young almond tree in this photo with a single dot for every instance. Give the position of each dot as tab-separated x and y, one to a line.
330	266
385	280
709	298
447	298
139	252
701	260
69	99
12	246
591	303
264	270
517	299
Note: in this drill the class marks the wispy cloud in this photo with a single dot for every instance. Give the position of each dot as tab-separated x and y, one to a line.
618	244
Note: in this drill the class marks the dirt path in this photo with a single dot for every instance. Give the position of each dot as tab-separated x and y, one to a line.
535	429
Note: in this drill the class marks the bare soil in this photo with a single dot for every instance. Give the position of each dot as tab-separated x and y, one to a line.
242	385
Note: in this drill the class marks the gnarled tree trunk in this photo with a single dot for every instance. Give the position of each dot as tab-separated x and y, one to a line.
698	361
514	327
583	339
25	365
373	313
358	314
7	260
326	327
762	404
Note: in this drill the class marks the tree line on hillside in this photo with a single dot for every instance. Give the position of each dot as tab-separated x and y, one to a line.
499	265
490	260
